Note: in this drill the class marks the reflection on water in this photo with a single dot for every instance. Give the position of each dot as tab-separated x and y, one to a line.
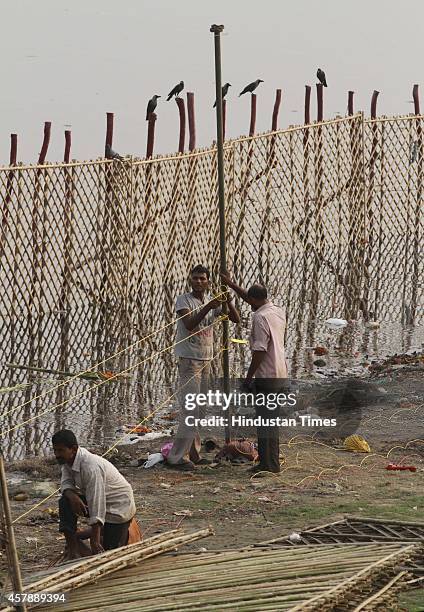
96	412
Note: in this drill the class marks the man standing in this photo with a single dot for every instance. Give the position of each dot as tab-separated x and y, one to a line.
194	349
268	366
91	486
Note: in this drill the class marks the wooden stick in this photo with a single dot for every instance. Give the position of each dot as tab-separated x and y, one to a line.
252	115
181	110
12	553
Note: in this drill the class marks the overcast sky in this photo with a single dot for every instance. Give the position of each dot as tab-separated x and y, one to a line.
71	61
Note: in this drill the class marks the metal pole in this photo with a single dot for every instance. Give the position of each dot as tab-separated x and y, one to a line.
15	571
217	29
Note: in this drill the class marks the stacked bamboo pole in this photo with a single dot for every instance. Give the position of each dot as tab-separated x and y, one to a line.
258	580
93	568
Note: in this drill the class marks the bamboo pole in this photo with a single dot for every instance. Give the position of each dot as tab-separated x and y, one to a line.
12	553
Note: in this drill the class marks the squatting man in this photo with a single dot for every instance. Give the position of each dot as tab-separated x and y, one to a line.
91	487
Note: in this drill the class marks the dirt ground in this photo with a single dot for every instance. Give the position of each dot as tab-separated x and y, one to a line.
319	483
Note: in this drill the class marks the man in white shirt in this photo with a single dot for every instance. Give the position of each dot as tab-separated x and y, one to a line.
194	350
92	487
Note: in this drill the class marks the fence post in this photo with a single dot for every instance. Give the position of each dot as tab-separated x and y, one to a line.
46	141
109	130
191	121
369	213
418	207
274	125
181	109
416	96
224	117
150	134
350	95
307	120
13	149
374	104
67	153
252	115
320	102
12	553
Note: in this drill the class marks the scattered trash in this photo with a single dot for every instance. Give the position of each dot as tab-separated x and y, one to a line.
401	468
166	449
372	324
357	444
295	537
264	499
239	341
202	549
165	485
134	438
320	350
138	429
336	323
20	497
32	541
238	450
216	490
184	513
52	512
153	459
171	416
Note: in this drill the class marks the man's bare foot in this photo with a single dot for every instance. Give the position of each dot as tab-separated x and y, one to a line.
76	552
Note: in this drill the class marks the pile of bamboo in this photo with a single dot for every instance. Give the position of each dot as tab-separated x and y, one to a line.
93	568
304	578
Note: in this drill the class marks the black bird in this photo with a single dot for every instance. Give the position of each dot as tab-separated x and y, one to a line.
251	87
152	105
224	91
176	91
111	154
321	77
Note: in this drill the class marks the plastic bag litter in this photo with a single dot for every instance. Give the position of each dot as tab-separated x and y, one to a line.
153	459
166	448
336	323
357	444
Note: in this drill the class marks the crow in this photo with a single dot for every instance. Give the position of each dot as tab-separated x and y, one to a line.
321	77
111	154
176	91
251	87
152	106
224	91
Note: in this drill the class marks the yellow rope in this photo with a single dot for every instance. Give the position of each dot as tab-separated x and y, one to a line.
165	401
72	378
85	391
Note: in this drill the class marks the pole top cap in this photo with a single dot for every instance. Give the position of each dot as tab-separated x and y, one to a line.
217	29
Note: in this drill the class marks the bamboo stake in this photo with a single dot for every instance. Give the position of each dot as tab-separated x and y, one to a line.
72	581
82	566
377	596
12	553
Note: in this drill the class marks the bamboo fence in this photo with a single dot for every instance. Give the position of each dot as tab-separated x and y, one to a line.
92	254
303	578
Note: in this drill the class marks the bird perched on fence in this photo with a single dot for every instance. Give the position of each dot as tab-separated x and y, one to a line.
251	87
111	154
152	105
176	91
224	91
321	77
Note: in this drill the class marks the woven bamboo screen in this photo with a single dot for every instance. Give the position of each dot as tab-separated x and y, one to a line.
329	216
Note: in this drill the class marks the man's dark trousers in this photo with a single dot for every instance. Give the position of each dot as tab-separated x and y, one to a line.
268	437
114	534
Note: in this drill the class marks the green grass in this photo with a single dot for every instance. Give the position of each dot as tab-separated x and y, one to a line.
413	601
